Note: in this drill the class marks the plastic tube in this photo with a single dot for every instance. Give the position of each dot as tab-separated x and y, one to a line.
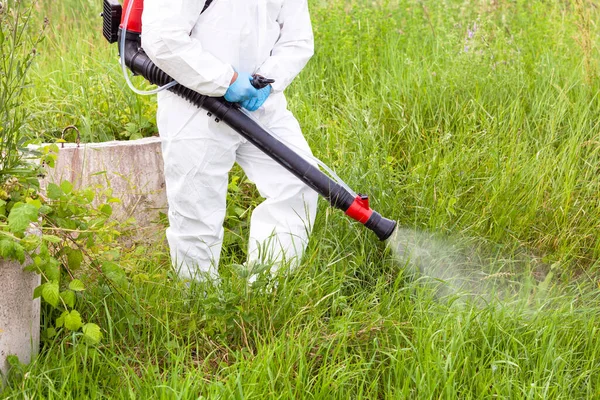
124	67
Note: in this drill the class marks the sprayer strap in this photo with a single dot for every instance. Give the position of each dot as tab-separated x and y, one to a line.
206	5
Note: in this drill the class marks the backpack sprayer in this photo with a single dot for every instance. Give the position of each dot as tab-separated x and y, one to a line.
126	29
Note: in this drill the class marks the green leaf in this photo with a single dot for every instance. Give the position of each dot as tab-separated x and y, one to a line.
68	297
50	159
21	216
37	292
51	269
54	191
89	194
50	293
76	285
19	253
74	258
60	321
66	186
113	272
92	333
7	248
12	250
36	203
50	333
106	210
45	210
73	321
31	242
136	135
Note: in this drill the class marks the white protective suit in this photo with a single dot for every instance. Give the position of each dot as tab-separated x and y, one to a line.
201	51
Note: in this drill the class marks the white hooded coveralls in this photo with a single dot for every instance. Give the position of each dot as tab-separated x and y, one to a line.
201	51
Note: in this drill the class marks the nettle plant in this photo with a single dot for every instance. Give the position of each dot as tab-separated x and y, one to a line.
63	234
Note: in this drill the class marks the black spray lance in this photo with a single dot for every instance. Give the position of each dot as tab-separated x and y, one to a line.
127	30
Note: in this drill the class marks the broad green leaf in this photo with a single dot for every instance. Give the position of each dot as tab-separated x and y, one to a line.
19	253
50	293
43	251
74	258
68	297
50	333
92	333
36	203
21	216
66	186
54	191
37	292
51	269
60	321
106	210
89	194
31	242
50	159
7	248
76	285
73	320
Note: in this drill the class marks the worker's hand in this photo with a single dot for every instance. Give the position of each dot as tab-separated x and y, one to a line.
241	89
257	101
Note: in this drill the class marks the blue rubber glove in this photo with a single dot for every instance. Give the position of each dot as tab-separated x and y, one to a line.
257	101
241	89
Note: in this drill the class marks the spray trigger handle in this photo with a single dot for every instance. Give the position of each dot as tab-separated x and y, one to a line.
259	81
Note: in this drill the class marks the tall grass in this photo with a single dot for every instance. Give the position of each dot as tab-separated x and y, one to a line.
79	81
18	41
476	120
463	117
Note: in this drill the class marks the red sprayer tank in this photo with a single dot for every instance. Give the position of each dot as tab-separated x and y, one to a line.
134	24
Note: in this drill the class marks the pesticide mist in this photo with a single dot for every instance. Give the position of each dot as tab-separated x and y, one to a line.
457	269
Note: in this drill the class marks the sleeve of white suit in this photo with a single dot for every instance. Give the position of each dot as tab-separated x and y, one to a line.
166	39
294	47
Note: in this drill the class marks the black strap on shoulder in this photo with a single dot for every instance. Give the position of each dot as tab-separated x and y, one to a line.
206	5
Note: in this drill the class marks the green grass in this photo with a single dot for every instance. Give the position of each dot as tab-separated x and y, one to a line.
491	136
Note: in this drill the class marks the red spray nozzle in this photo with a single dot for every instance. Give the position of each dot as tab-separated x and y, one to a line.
359	209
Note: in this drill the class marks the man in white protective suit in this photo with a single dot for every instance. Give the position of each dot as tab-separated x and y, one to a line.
215	52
